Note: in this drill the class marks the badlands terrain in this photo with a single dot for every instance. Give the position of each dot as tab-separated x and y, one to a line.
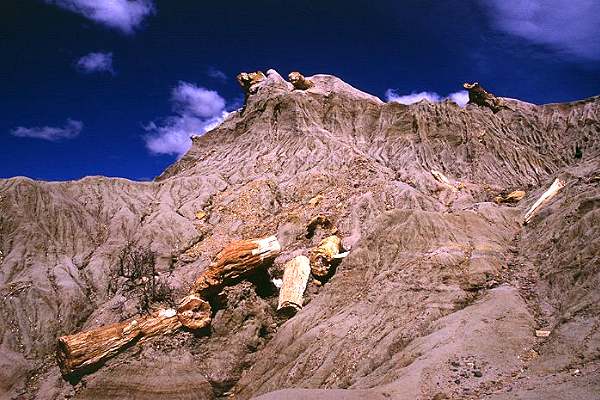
445	292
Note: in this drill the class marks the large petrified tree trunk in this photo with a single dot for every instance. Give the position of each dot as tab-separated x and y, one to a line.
236	261
295	278
87	349
239	259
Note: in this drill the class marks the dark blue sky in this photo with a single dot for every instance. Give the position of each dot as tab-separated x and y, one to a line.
165	54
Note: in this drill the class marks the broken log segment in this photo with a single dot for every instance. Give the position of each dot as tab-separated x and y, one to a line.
87	349
249	80
193	312
323	257
441	178
299	81
544	199
478	95
236	261
512	197
295	277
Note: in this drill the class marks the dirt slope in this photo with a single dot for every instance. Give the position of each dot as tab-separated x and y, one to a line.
439	298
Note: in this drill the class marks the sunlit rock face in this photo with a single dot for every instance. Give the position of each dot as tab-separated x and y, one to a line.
440	295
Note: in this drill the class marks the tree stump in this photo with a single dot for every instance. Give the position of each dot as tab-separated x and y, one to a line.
295	278
87	349
236	261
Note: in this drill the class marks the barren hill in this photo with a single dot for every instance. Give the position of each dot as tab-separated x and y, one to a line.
440	296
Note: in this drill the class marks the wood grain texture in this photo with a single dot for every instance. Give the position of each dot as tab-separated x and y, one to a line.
295	277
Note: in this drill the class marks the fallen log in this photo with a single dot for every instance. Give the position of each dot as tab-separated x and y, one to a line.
194	312
87	349
544	199
295	278
236	261
324	255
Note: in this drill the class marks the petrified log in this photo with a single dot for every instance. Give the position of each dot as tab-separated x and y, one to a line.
299	81
544	198
248	80
441	178
87	349
194	312
478	95
324	255
237	260
512	197
295	278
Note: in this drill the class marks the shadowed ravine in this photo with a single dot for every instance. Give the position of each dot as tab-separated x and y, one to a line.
440	296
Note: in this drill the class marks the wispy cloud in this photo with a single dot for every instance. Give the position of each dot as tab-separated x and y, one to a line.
123	15
571	27
96	62
198	111
71	130
461	98
216	74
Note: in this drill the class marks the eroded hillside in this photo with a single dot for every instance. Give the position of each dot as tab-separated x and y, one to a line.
440	296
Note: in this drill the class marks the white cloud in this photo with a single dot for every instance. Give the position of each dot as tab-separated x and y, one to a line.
124	15
216	74
96	62
190	99
69	131
569	26
198	111
461	98
412	98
